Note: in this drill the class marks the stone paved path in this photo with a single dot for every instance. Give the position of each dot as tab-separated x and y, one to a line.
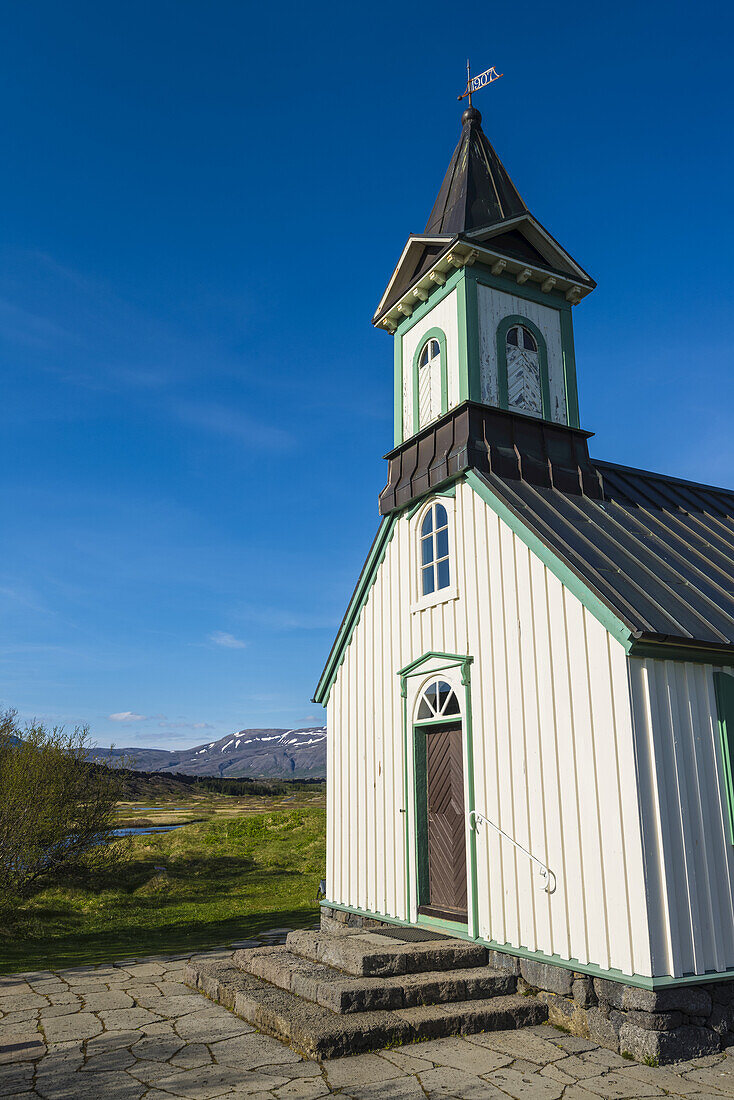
132	1030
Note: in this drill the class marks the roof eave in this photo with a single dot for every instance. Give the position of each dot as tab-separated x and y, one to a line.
413	240
461	252
530	219
669	647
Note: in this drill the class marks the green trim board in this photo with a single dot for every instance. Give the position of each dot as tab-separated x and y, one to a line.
431	334
473	356
665	981
406	797
450	926
467	314
569	368
398	392
503	328
462	337
359	598
420	796
724	691
453	658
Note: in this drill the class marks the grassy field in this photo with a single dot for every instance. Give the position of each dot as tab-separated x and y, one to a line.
207	807
243	866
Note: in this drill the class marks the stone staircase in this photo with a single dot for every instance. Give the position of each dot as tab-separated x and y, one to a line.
329	994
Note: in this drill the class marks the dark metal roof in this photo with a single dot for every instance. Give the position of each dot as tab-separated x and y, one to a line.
658	551
476	191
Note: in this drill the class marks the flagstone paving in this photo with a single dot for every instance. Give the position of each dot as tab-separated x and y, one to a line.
134	1031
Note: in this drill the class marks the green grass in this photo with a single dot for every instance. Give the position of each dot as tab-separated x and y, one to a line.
224	879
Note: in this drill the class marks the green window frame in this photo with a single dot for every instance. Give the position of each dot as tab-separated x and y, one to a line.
724	690
502	329
431	334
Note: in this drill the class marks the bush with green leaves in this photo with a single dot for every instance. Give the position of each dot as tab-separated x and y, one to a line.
57	808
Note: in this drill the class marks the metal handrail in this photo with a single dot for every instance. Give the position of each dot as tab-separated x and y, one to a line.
476	817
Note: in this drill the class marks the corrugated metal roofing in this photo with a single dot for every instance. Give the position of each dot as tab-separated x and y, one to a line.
657	550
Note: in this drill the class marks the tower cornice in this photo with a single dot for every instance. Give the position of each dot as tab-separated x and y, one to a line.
561	275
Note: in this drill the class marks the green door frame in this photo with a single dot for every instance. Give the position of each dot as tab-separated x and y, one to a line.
420	808
444	662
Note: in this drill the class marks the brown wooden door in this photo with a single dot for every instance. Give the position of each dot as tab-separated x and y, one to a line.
446	826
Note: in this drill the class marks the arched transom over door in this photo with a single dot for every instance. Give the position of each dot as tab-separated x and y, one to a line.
442	887
438	700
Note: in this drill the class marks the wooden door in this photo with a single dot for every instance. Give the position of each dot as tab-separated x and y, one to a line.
446	825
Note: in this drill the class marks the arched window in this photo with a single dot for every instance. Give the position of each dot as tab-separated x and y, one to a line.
429	382
524	386
435	572
438	701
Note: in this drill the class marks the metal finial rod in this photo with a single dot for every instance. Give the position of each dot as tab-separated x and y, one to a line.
474	83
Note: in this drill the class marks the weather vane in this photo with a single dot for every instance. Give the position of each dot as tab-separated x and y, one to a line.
474	83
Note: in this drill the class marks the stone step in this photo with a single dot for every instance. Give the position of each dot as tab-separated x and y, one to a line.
372	954
343	993
317	1032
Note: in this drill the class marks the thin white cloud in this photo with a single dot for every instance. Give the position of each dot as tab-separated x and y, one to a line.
126	716
281	619
228	641
225	421
186	725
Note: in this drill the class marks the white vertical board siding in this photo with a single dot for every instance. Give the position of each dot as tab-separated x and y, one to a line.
494	306
443	316
553	751
689	857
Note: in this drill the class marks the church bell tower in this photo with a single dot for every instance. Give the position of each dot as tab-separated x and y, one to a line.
479	307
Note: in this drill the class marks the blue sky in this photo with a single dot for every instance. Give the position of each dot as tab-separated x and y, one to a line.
201	205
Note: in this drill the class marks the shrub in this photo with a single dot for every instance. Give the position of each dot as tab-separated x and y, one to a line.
56	806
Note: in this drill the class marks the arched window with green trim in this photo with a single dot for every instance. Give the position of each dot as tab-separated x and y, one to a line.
430	379
522	361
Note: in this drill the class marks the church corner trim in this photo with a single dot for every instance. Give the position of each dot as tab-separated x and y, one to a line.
724	692
398	395
354	609
619	630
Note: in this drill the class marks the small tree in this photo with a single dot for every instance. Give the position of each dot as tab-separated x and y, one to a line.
56	806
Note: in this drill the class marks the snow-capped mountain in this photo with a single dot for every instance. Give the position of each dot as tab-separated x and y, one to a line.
294	754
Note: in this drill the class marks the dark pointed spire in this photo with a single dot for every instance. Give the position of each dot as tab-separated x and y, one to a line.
476	190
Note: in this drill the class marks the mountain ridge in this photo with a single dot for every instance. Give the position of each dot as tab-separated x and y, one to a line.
258	753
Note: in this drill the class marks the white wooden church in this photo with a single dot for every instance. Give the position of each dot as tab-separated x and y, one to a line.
531	697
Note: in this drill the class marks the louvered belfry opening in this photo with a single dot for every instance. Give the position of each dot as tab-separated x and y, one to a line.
445	819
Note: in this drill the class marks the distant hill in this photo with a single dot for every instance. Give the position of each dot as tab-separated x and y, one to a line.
155	786
257	754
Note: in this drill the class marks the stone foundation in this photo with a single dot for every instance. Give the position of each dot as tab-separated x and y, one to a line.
335	920
656	1027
